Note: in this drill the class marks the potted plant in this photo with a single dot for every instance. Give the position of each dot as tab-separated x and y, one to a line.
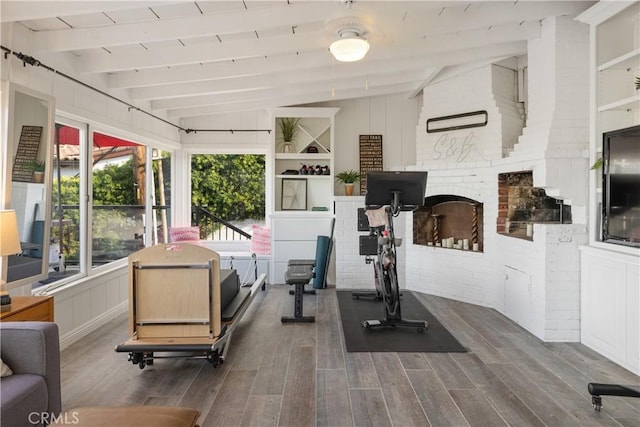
348	178
288	128
38	167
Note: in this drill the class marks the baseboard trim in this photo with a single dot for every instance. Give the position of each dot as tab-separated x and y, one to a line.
85	329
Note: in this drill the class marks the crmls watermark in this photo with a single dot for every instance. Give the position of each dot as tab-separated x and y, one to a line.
45	418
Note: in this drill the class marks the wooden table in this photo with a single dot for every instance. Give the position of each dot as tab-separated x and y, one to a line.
35	308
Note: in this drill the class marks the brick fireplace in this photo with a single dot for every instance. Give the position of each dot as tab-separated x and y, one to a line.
527	177
529	173
520	205
449	217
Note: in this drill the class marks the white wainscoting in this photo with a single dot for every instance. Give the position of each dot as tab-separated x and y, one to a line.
86	305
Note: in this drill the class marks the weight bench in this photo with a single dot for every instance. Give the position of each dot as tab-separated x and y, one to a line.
297	264
299	273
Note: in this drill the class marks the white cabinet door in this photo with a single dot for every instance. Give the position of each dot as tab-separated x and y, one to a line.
610	301
517	297
295	237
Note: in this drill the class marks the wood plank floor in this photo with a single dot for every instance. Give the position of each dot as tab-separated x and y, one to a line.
301	375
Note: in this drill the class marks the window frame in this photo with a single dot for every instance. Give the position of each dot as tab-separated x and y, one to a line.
182	203
87	129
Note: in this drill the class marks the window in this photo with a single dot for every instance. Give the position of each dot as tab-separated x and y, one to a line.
113	170
119	194
66	235
66	240
161	164
227	193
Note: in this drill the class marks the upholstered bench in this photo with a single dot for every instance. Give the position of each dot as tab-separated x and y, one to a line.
129	416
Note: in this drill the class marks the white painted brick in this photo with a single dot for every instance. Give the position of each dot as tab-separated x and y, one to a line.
554	145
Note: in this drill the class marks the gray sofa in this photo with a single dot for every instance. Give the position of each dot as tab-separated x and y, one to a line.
31	396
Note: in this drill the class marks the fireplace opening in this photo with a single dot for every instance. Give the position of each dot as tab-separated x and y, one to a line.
520	205
449	221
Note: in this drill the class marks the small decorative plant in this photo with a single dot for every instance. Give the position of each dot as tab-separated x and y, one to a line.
597	164
348	177
38	165
637	82
288	128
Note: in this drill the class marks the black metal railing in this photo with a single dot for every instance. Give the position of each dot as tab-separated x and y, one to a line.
212	227
118	231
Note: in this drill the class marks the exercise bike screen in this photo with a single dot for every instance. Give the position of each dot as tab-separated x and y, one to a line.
381	185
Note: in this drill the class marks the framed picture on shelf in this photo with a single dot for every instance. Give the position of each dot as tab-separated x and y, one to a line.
294	194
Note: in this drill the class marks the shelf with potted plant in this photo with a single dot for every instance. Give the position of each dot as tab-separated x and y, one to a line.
349	178
308	157
618	88
286	129
312	149
38	167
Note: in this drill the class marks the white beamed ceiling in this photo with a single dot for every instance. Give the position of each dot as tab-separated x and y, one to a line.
186	58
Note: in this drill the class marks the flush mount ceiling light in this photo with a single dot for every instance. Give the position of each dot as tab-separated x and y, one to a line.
350	46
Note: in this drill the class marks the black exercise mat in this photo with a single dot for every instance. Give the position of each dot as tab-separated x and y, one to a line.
436	339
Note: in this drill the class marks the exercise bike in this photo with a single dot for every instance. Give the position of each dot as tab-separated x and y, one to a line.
396	192
369	248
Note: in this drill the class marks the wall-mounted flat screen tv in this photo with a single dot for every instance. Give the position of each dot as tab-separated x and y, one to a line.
621	186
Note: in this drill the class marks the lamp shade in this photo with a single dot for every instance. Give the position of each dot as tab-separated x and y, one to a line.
350	47
9	239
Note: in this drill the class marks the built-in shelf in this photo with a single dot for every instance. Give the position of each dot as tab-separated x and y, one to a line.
302	214
315	139
608	317
304	176
303	156
630	103
314	133
630	60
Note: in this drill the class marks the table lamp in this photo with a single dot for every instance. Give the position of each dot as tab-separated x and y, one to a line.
9	245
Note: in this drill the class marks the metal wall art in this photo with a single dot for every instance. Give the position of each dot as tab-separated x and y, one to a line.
473	119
